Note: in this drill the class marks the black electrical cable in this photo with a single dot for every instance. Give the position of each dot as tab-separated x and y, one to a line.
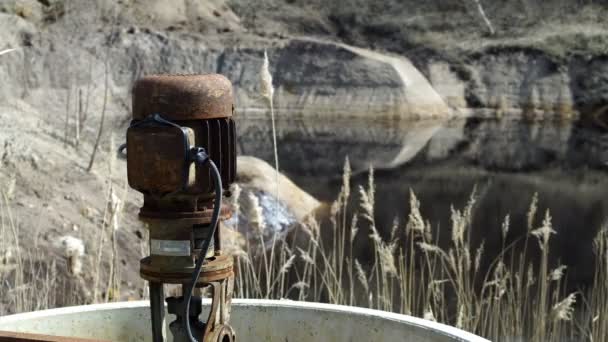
201	158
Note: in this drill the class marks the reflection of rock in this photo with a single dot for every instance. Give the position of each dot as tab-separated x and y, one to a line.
257	178
320	146
519	146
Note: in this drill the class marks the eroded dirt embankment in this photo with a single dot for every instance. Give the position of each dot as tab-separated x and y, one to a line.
71	54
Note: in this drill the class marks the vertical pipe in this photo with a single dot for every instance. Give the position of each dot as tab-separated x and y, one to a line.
217	241
157	308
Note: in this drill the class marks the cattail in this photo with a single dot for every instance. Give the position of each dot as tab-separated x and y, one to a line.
115	209
311	228
7	256
267	91
557	273
387	261
73	249
460	317
530	276
394	228
467	258
415	221
286	249
428	248
308	231
478	255
361	276
500	280
301	285
255	213
287	265
334	209
367	197
313	224
459	224
346	174
436	287
371	188
10	187
366	204
505	227
544	232
240	253
374	236
563	310
532	211
353	228
305	256
235	190
266	88
452	260
428	315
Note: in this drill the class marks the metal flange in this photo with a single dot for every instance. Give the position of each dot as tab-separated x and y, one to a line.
216	268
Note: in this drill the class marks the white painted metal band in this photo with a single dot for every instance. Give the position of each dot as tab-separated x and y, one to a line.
170	247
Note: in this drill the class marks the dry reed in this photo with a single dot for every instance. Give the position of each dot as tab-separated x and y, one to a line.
511	297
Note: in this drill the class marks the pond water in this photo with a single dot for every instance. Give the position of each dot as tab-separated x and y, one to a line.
506	161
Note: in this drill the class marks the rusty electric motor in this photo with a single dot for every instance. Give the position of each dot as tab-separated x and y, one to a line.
181	152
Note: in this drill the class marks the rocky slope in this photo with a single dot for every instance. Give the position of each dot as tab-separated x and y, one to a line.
529	71
385	61
68	48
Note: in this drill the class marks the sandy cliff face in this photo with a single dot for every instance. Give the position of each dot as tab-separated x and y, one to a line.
68	48
523	83
312	78
64	46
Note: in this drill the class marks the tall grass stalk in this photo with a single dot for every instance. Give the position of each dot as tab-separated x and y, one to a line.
267	91
5	51
597	297
510	296
514	296
28	278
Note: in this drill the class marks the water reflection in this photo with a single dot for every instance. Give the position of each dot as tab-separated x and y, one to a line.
320	147
507	162
308	147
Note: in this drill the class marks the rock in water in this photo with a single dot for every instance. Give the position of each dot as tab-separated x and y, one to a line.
279	213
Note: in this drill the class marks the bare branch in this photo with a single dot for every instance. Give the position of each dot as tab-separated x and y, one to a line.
103	114
487	21
7	51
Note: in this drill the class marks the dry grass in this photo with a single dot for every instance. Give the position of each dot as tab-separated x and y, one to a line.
516	296
34	278
28	279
